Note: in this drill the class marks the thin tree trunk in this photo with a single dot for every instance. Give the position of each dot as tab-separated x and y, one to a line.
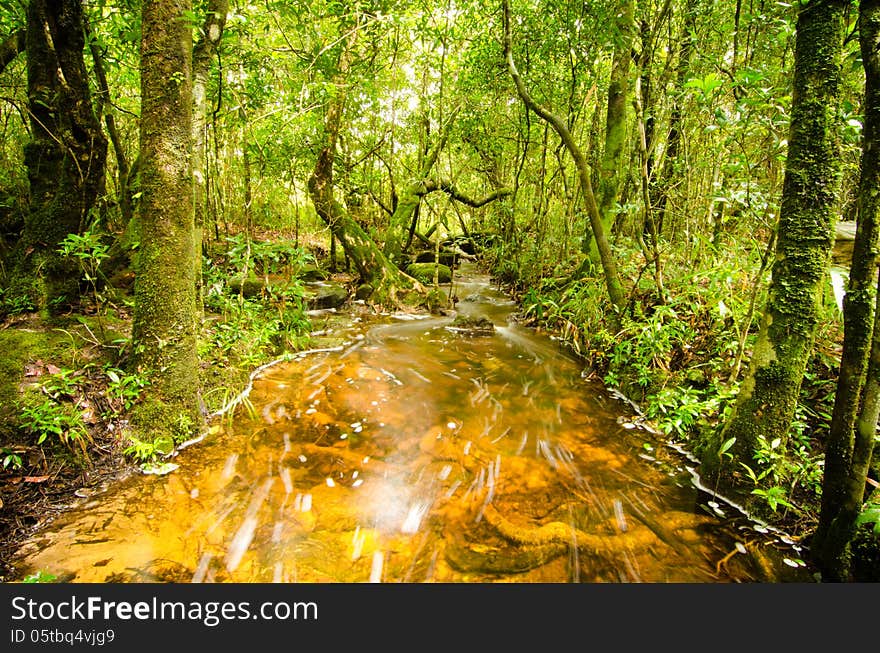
207	45
611	166
609	266
669	172
122	165
851	436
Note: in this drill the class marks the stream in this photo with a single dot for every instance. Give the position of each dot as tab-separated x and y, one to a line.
418	452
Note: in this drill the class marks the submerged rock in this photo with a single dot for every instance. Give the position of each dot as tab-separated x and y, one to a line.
472	326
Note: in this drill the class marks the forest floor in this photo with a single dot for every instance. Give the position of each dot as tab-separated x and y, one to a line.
50	477
69	371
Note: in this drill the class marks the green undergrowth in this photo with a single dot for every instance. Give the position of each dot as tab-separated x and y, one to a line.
681	358
67	384
248	324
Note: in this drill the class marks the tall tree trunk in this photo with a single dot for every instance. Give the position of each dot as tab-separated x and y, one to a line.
768	396
165	315
65	158
606	258
611	166
851	438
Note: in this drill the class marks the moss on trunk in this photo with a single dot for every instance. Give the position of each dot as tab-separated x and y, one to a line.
65	157
165	315
768	396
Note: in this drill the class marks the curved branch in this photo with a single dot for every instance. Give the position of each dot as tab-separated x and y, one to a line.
432	185
609	267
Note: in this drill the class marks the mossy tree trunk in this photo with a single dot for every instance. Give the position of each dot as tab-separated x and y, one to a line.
854	420
612	164
165	315
768	396
65	157
408	202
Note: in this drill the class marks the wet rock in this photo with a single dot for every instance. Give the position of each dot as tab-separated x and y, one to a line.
364	291
325	295
311	273
424	272
446	258
248	287
472	326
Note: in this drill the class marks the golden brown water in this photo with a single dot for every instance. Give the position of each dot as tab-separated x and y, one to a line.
416	453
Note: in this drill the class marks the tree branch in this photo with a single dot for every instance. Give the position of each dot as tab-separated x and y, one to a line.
432	185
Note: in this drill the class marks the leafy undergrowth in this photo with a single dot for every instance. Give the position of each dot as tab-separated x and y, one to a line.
67	383
681	358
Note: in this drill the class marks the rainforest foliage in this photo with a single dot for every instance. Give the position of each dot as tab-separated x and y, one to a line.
665	185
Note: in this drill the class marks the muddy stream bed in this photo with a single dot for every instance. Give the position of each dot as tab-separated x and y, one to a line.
417	452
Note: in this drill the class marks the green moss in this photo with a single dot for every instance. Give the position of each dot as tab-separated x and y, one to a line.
424	272
28	344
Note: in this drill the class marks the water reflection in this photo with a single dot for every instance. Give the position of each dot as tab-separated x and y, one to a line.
416	453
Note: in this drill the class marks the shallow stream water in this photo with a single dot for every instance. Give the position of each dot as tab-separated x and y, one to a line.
416	452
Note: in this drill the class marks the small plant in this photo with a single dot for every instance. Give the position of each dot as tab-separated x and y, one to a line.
124	388
145	452
88	251
60	421
11	459
52	413
870	515
775	496
40	576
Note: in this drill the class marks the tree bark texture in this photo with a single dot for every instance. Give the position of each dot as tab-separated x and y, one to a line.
768	396
165	314
854	420
65	157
